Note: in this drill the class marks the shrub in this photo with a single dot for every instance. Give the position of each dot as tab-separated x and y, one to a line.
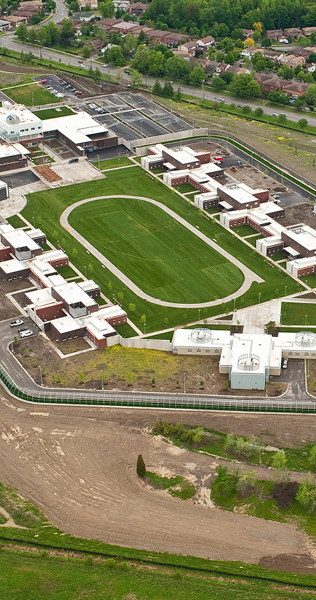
284	493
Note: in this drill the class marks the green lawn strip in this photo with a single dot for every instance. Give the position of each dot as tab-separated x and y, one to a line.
64	578
296	329
15	221
167	335
161	256
185	188
184	489
100	301
278	256
53	113
298	313
243	230
210	326
125	330
250	450
112	163
42	160
31	95
48	205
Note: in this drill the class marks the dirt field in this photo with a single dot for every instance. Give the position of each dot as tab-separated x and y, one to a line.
126	369
299	213
78	465
7	308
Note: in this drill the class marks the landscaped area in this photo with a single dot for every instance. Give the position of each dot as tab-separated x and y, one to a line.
159	255
298	313
32	94
52	113
47	206
112	163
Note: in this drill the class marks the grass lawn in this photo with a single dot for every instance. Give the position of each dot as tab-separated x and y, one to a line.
161	256
47	206
31	95
252	240
298	313
125	330
168	335
52	113
186	187
15	221
176	486
310	280
66	271
278	256
243	230
112	163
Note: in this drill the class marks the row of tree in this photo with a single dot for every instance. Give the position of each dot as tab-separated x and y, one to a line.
209	17
48	35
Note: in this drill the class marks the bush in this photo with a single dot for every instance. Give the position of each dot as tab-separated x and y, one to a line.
140	467
284	493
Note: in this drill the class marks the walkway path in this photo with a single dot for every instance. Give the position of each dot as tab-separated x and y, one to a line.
249	275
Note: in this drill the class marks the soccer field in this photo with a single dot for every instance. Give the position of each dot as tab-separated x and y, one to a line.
161	256
32	94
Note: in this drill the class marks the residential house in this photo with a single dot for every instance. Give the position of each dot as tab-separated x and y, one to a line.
108	24
124	27
274	34
122	4
221	67
158	36
5	25
182	54
292	61
189	47
307	31
172	38
296	89
93	4
206	42
274	83
249	52
96	45
137	9
294	32
25	14
15	20
270	54
247	33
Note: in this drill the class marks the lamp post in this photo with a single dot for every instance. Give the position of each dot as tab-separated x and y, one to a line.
101	379
285	290
305	319
203	91
199	314
184	383
41	375
234	303
144	328
98	157
85	270
259	297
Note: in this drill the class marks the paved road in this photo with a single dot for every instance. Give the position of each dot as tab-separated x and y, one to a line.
61	11
10	42
249	275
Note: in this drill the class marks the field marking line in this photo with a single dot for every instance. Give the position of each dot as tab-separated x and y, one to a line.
249	275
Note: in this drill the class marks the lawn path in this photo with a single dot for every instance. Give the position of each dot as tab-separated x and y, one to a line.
249	275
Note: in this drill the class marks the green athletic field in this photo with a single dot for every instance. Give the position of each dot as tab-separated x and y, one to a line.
44	208
157	253
31	95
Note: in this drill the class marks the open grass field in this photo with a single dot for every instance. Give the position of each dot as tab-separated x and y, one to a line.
298	313
48	206
31	95
15	221
162	257
243	230
52	113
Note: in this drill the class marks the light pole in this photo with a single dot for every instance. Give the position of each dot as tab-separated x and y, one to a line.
101	379
144	328
305	319
85	270
41	375
199	314
203	91
184	383
98	157
259	297
285	290
234	303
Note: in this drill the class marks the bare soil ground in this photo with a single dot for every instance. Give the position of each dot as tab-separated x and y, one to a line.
78	465
126	369
299	213
7	308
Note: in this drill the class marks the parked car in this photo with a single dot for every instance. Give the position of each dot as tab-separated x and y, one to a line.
240	105
284	363
26	333
127	72
16	323
275	196
275	115
73	160
22	329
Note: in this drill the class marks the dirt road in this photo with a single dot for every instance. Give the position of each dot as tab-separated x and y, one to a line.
78	465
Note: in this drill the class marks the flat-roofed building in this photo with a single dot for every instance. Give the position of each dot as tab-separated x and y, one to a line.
21	244
302	238
76	302
4	190
301	266
13	269
80	132
13	156
67	328
18	124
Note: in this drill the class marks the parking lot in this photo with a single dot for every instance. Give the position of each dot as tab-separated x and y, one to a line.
62	88
15	180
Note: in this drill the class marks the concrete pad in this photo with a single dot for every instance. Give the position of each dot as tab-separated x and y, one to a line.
254	318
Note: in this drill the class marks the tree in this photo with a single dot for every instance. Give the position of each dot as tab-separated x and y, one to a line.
107	9
67	34
246	110
136	78
249	42
140	60
237	34
86	51
97	75
285	72
90	268
258	112
140	467
178	95
266	42
168	91
197	74
279	463
271	328
282	118
257	27
115	56
306	496
312	458
155	63
157	89
245	86
177	67
35	19
302	123
21	32
143	319
218	84
310	94
132	307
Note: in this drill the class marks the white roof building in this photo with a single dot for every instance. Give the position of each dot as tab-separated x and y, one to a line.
18	123
77	128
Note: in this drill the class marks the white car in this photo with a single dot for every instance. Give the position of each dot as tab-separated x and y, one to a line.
16	323
26	333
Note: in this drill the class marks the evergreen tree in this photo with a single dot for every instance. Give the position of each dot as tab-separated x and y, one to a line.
140	467
157	89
